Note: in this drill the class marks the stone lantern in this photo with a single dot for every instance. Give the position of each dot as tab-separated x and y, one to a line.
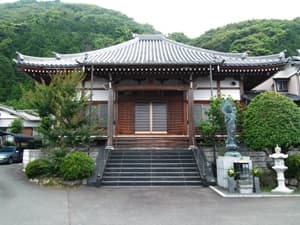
279	167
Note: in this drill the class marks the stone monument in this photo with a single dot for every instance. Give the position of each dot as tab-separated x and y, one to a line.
229	111
232	154
279	167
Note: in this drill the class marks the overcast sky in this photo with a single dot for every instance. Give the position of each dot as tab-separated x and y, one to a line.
194	17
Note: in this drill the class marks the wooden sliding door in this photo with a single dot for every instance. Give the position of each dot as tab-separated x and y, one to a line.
151	113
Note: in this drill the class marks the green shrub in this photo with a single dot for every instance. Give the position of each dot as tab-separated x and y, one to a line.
75	166
293	164
271	119
268	179
56	159
39	168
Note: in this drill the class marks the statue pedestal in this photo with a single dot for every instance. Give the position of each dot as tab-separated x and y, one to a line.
245	186
223	164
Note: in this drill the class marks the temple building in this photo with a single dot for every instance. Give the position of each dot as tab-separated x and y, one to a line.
285	82
151	91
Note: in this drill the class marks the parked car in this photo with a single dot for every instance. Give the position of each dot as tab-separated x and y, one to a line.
10	154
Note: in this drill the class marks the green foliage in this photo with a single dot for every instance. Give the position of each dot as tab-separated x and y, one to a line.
179	37
293	164
76	166
56	159
268	179
16	126
63	123
39	168
39	28
231	172
215	123
271	119
9	143
257	37
256	172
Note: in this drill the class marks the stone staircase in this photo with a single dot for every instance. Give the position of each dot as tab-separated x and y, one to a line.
150	142
151	168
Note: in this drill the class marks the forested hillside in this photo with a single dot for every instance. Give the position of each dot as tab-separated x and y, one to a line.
257	37
39	28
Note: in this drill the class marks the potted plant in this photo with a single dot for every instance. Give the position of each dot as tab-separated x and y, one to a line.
231	180
256	173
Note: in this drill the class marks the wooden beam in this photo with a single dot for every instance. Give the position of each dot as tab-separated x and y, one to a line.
152	87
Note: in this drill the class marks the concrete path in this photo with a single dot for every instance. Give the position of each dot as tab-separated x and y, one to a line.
23	203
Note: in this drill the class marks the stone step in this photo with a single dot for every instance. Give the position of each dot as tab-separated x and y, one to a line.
149	170
152	174
152	157
160	164
149	178
151	183
152	161
145	153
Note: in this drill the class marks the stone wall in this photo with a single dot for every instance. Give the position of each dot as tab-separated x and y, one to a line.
259	158
30	155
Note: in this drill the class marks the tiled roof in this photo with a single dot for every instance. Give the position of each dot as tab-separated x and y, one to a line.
149	50
296	59
24	114
252	94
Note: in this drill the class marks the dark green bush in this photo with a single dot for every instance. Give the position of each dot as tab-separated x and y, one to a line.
268	179
39	168
293	164
76	166
271	119
56	159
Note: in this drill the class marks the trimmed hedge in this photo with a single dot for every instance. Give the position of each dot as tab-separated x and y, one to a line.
39	168
76	166
293	164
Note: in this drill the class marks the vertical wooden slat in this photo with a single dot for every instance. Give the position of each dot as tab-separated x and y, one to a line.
125	116
176	114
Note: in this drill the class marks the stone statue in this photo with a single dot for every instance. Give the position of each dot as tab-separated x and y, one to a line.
229	110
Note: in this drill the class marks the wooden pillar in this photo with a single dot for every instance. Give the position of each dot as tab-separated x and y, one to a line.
298	83
242	90
110	118
91	95
211	81
191	113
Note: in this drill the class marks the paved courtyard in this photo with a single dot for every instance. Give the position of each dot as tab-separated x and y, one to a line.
23	203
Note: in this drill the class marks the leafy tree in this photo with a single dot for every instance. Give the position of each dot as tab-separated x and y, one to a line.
257	37
271	119
62	111
215	119
179	37
16	126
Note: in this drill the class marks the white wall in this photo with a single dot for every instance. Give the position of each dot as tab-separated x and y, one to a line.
97	83
233	93
203	95
293	86
204	82
229	83
98	95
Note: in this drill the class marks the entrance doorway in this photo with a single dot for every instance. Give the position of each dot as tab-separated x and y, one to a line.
150	117
151	113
